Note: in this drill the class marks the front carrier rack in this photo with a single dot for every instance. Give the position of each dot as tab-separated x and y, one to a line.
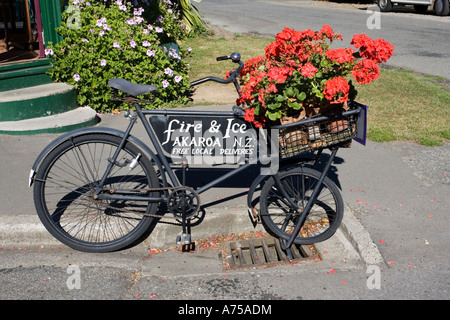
319	132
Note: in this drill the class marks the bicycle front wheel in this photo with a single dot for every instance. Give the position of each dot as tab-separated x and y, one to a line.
64	194
280	218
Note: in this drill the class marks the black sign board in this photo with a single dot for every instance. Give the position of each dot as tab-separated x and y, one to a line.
199	139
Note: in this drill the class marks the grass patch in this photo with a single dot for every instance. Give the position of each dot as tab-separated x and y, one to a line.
403	105
207	47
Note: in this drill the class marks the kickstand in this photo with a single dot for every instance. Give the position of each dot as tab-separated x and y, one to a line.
186	242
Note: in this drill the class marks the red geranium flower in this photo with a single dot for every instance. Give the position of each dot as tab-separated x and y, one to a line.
308	70
365	71
341	55
336	90
249	116
378	50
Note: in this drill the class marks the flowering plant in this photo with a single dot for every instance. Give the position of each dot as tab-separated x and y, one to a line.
114	40
300	75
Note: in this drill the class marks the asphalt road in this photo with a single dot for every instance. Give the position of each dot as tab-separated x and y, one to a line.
399	192
420	40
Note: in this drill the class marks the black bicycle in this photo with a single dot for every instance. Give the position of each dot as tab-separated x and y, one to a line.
100	189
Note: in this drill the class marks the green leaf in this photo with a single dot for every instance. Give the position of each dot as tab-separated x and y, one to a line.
274	106
280	98
274	115
302	96
295	105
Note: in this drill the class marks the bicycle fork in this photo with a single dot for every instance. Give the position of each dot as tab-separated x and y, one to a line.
286	244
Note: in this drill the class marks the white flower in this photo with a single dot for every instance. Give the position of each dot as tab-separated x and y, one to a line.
146	44
151	53
159	29
168	71
165	83
103	62
48	52
133	43
178	79
76	77
116	45
101	22
138	12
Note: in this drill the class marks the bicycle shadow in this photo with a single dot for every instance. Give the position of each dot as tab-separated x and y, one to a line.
198	177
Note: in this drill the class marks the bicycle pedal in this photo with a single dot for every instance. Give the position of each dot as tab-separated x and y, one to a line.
190	247
183	239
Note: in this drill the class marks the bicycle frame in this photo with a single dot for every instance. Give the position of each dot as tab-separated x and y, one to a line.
141	114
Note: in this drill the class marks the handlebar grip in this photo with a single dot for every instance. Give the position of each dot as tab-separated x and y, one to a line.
222	58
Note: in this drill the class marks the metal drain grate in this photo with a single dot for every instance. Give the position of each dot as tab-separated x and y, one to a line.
262	252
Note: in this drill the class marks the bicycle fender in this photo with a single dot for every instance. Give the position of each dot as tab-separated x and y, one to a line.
100	130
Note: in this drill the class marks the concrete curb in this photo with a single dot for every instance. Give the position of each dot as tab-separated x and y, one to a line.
360	238
70	120
350	241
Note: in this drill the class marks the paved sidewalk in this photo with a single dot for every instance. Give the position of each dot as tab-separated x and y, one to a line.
396	217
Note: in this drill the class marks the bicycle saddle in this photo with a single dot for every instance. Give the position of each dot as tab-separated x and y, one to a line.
132	89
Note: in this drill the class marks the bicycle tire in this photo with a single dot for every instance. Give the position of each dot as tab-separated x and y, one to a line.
279	218
63	194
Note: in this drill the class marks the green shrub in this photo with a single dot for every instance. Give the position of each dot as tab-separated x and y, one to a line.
111	39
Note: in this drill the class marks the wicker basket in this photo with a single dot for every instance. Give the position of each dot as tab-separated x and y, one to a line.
310	134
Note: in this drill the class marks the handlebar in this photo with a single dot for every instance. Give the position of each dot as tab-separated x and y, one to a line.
236	58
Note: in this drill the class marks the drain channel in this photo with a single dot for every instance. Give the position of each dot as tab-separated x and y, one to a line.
262	252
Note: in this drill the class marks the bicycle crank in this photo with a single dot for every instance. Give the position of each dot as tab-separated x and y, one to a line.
183	200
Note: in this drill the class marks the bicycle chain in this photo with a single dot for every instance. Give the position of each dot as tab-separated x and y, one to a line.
112	191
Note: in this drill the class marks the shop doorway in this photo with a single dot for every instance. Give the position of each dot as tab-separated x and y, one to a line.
19	39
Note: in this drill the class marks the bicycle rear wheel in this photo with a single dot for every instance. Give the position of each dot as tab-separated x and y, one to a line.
64	194
280	218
